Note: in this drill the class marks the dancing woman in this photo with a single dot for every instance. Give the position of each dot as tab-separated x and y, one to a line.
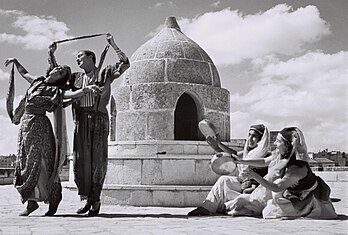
37	179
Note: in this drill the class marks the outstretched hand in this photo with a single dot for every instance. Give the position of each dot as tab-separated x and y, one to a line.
213	141
122	56
110	39
9	61
53	47
93	88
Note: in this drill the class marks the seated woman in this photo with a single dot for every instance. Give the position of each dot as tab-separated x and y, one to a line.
37	178
253	204
228	187
298	192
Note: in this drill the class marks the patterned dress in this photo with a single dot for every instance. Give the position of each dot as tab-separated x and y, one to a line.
36	146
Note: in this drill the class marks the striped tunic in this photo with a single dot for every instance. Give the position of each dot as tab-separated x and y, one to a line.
92	129
89	99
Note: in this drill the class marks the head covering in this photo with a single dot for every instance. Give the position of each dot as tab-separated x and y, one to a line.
295	138
259	128
261	150
263	146
286	134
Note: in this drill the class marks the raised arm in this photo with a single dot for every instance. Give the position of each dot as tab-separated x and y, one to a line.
51	58
123	63
22	71
121	55
215	143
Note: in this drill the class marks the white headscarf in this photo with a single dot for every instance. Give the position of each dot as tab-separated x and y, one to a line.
262	149
299	145
295	137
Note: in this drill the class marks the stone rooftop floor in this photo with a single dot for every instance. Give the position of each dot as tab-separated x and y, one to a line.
115	219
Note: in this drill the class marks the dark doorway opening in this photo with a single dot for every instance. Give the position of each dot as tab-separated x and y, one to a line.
186	119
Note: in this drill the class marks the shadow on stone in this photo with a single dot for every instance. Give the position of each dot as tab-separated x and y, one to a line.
335	199
102	215
142	216
341	217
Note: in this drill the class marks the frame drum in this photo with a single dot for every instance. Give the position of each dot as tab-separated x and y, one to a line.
223	164
207	128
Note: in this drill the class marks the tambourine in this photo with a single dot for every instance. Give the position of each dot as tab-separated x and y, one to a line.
222	164
207	128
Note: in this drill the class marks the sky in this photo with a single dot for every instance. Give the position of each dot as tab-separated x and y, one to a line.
285	63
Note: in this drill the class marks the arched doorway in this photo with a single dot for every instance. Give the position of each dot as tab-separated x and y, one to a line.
186	119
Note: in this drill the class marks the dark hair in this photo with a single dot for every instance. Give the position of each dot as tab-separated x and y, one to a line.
90	53
259	130
62	83
288	150
287	135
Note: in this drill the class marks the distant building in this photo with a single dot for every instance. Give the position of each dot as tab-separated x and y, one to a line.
7	168
321	163
339	158
7	161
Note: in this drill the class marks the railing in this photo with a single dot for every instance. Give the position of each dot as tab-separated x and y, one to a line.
333	168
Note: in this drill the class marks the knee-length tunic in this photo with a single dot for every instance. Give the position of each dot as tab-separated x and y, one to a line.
36	142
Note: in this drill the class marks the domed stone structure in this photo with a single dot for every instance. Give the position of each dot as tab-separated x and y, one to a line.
159	157
171	85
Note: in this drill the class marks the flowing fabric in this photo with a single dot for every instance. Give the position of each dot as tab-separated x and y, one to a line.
19	111
81	37
61	141
309	196
10	94
299	146
37	147
316	204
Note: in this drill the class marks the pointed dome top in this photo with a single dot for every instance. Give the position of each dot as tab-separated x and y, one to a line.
171	56
172	23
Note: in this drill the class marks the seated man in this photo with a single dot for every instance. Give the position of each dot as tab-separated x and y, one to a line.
228	187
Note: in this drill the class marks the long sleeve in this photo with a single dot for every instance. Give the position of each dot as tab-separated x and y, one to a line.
52	63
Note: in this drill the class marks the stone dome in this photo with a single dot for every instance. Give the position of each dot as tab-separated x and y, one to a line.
171	85
171	56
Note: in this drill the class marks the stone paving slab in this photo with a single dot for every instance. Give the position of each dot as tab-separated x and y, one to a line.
115	219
